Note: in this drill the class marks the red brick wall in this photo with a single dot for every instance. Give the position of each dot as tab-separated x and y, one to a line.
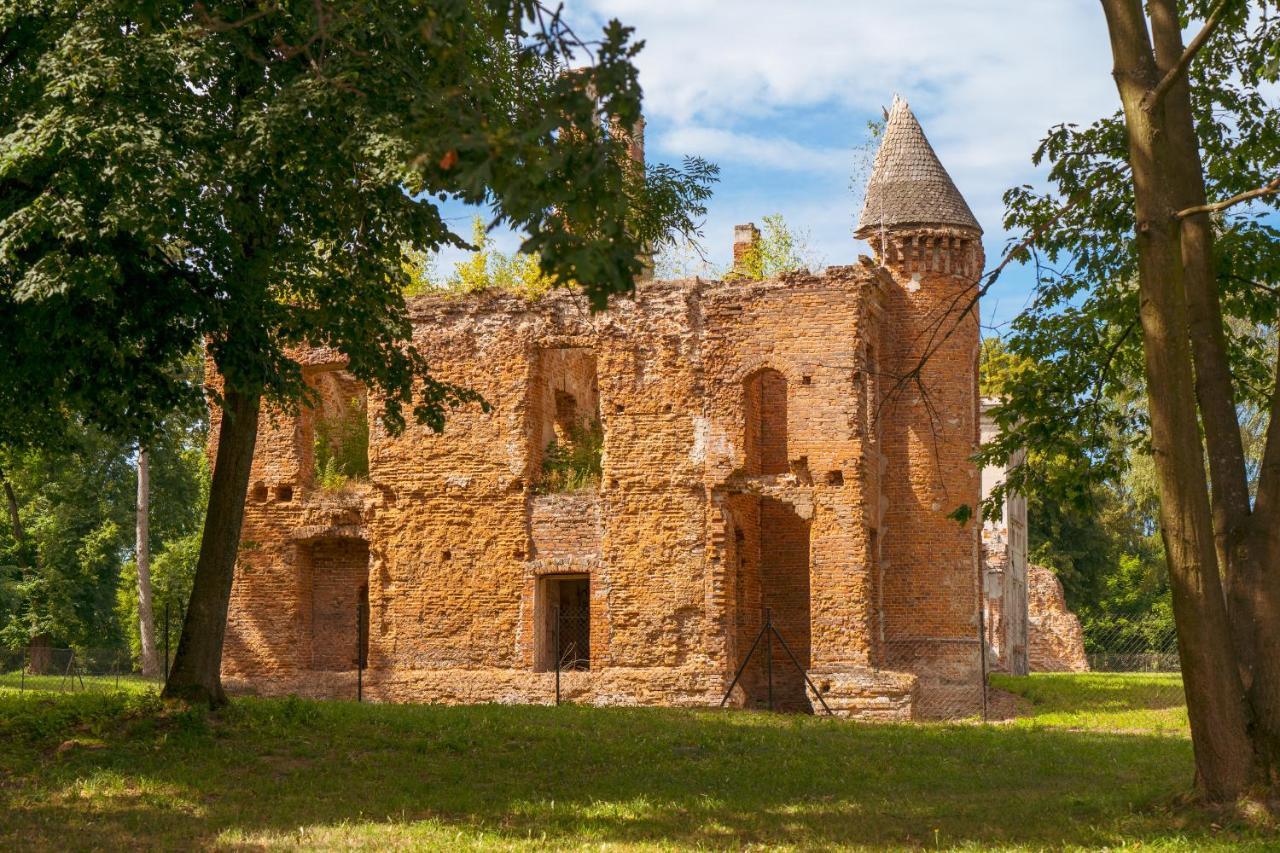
784	573
765	404
929	433
334	572
457	540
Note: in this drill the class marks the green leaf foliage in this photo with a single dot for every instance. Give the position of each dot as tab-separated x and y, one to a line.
779	250
1069	370
341	450
249	176
1081	393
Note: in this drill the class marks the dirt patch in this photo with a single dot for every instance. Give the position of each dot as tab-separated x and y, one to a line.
1003	705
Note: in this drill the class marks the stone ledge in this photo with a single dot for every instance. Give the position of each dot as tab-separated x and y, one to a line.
865	693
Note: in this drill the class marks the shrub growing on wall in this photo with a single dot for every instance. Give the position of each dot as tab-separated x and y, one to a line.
342	447
577	463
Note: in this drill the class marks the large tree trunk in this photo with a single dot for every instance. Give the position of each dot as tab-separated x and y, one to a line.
146	622
196	673
1264	692
1215	697
1252	583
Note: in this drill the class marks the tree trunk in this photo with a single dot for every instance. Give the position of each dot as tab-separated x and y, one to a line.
146	622
1215	697
39	647
15	520
1264	692
196	674
1252	582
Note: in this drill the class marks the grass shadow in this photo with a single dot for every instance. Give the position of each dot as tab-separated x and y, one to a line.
290	772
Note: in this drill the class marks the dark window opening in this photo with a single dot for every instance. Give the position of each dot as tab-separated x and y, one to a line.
565	610
334	594
335	432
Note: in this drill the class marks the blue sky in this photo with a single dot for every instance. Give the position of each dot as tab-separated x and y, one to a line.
779	96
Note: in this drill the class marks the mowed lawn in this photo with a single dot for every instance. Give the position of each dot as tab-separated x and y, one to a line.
1096	761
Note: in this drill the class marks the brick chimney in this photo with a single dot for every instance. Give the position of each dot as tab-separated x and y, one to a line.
745	239
634	139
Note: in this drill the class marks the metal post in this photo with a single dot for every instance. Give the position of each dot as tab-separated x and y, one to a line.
982	638
359	653
741	668
555	633
796	661
768	651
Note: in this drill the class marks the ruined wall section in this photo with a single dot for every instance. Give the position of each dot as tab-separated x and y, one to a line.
270	632
1056	638
930	433
459	543
809	330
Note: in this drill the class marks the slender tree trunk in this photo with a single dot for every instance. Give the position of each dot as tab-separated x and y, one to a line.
146	622
1215	697
1252	582
39	651
15	520
196	673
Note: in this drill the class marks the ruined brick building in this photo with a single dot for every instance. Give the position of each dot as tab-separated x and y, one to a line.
765	445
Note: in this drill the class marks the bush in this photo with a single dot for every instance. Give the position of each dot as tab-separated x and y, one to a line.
342	447
576	464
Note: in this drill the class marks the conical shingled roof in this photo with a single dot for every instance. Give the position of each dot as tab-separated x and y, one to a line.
908	184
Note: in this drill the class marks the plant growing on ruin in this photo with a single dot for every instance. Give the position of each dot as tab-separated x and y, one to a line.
341	447
486	268
248	175
779	250
577	463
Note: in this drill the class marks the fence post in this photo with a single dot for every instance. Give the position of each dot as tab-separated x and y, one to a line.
359	653
555	644
768	651
982	637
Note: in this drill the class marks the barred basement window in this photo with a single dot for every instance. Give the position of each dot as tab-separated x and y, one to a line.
563	611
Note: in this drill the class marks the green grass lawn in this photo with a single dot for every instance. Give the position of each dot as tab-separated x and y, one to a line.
102	770
1150	703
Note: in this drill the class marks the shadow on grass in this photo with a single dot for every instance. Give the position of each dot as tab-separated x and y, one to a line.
334	774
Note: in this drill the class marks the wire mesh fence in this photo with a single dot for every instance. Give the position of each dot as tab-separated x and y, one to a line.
44	669
1132	646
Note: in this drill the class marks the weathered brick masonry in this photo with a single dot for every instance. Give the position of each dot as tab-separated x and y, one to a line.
759	452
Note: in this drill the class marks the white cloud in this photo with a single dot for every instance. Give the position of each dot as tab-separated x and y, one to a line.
786	155
748	81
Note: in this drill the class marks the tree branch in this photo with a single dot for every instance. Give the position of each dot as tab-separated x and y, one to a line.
1270	188
1154	98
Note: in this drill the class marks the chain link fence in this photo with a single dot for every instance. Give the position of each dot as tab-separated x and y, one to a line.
63	670
1131	646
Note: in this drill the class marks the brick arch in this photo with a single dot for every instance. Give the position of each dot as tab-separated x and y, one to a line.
765	407
789	370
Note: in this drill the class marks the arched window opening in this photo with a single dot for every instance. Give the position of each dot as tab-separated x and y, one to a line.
765	408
